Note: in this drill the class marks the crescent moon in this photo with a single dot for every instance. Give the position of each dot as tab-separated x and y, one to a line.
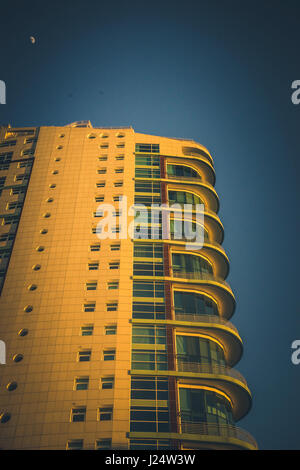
32	39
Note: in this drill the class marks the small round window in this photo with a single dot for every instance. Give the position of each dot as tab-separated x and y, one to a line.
28	308
11	386
4	417
18	357
23	332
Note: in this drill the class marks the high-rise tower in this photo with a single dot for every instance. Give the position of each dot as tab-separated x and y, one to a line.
122	342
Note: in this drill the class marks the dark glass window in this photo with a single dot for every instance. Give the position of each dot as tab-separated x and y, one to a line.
148	310
184	197
194	349
198	405
148	334
186	264
149	419
144	359
190	303
149	388
148	148
182	171
148	289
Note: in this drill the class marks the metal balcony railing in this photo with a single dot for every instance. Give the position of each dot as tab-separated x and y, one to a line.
222	430
198	276
184	365
215	319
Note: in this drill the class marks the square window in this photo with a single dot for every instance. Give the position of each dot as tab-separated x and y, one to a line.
91	285
78	414
107	383
75	444
105	414
81	383
112	306
111	329
114	265
87	330
100	184
95	247
109	354
115	247
93	266
84	355
112	285
89	307
103	444
99	198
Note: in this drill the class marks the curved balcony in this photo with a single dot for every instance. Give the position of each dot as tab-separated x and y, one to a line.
211	221
221	433
202	162
203	188
213	250
207	368
213	285
217	328
199	435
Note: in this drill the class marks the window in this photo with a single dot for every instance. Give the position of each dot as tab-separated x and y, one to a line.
24	164
91	285
148	289
149	419
107	383
99	198
148	334
147	148
75	444
148	268
184	197
100	184
95	247
5	157
120	146
6	236
112	285
190	265
87	330
8	143
102	158
119	170
114	265
104	146
196	350
105	414
21	177
103	444
112	306
191	303
4	167
147	160
149	444
109	354
120	157
81	383
115	247
93	266
117	198
84	355
14	205
118	184
149	359
89	307
147	173
149	388
10	219
182	171
17	191
78	414
98	213
148	250
101	171
110	329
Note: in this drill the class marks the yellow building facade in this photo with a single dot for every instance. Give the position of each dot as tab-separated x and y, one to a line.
121	342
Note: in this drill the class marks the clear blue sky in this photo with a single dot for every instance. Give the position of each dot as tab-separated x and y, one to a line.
221	73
